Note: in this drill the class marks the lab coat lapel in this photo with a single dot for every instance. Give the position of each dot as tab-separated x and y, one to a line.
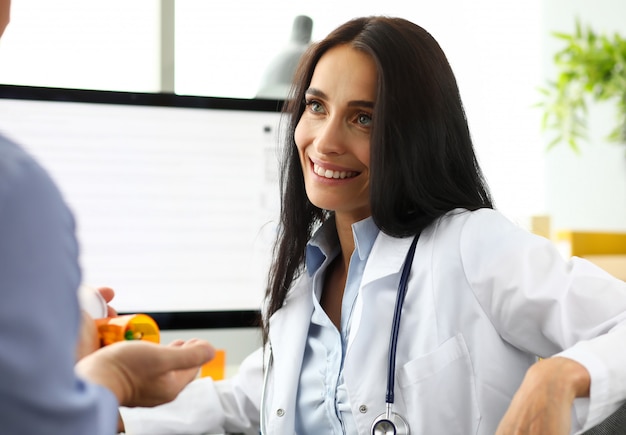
385	259
289	328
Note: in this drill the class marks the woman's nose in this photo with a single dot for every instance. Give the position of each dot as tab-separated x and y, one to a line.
331	138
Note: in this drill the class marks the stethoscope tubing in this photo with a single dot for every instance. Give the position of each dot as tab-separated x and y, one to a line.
397	314
390	422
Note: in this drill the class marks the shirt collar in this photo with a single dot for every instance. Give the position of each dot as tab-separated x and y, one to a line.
365	233
325	244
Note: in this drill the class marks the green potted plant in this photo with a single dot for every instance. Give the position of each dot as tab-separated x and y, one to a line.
591	67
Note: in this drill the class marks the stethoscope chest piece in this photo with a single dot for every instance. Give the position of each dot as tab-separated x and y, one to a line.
390	424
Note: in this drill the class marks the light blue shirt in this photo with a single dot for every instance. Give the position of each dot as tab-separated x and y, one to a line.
322	403
39	314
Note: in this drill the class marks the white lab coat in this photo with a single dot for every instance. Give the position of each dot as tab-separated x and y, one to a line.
484	297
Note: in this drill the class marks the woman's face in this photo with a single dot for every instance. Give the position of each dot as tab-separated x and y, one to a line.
333	134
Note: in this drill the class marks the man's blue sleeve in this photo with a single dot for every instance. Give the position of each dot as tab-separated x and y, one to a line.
39	313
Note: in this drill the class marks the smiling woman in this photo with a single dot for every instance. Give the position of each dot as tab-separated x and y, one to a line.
333	135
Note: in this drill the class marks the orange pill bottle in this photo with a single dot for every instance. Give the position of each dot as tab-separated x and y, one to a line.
127	327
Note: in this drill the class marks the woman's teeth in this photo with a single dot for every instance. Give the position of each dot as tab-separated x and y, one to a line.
327	173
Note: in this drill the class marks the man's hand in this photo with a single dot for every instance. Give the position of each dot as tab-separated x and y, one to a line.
142	373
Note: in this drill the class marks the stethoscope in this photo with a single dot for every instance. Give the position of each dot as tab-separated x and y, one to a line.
389	422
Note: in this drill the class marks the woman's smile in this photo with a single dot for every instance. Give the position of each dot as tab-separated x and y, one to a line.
326	171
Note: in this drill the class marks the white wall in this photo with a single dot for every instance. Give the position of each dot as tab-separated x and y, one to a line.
585	191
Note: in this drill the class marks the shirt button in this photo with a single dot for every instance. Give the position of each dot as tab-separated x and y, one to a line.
362	409
280	412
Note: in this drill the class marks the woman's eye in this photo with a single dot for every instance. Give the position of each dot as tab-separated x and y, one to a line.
314	106
364	119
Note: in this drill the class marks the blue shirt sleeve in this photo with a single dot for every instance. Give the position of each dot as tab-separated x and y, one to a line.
39	312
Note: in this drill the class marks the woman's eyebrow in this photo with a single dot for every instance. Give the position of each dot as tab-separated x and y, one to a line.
361	103
314	92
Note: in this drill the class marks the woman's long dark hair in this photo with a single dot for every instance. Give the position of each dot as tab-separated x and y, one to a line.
422	158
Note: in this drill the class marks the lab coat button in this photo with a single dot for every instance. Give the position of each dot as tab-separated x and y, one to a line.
280	412
362	409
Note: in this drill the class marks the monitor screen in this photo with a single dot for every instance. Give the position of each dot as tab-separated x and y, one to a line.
175	198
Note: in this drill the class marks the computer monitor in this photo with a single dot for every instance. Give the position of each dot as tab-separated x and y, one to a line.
175	197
